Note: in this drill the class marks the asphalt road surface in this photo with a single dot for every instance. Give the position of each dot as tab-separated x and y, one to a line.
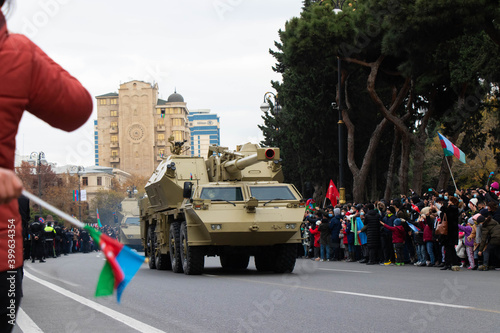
316	297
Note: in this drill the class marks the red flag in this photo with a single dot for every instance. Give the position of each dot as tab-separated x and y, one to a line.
333	193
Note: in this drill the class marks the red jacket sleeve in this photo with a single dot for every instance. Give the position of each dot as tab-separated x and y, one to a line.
55	96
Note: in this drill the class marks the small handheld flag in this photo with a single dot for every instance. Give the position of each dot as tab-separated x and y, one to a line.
450	149
121	262
98	219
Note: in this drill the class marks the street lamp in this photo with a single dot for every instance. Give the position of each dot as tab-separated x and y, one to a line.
266	105
37	157
78	169
338	8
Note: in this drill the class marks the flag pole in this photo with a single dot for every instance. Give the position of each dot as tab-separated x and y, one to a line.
451	173
53	209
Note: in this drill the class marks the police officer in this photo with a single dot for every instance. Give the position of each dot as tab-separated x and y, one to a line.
58	239
49	234
36	233
85	239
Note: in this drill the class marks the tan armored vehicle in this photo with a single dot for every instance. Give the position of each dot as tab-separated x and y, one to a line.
232	205
129	231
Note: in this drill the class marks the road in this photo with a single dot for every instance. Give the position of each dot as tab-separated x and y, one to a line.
317	297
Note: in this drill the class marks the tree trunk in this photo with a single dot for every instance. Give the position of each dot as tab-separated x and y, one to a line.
390	170
405	160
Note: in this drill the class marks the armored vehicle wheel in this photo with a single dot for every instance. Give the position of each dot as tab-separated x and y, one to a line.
234	261
151	248
173	245
264	262
285	257
192	257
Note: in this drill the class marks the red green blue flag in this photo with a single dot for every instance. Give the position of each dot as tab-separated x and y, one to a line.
121	264
75	195
98	219
450	149
311	204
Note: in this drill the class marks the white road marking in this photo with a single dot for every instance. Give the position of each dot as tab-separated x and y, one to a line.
25	323
52	277
344	270
129	321
388	298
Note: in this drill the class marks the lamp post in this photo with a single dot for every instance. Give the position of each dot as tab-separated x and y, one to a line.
337	10
266	105
37	157
78	169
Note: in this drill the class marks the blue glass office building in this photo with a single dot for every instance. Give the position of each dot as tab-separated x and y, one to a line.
205	131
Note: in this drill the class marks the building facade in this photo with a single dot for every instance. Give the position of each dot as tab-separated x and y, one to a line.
133	127
205	131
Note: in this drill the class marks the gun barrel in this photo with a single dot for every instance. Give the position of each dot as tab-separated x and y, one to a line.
240	163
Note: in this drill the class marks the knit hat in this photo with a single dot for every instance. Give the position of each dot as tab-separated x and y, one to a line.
425	210
474	201
318	222
494	185
485	212
480	219
336	211
397	222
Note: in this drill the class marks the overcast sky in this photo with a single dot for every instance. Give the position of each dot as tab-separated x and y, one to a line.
214	52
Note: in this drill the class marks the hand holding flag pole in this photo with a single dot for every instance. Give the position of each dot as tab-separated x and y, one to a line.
121	262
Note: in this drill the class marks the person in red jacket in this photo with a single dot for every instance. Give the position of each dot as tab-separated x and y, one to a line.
31	81
317	235
398	240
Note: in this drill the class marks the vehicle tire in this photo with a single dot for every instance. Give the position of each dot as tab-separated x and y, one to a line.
234	261
264	262
173	246
151	247
285	256
192	257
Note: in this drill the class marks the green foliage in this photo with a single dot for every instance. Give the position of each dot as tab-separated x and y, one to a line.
449	50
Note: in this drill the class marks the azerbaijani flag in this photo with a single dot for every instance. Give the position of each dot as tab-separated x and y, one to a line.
450	149
98	219
311	204
120	267
75	195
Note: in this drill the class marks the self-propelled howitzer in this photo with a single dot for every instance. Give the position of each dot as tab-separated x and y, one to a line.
233	205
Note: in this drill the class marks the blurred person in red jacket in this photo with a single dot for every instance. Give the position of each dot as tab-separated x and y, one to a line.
31	81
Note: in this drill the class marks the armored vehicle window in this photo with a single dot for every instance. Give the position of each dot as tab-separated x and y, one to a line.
222	193
132	220
271	192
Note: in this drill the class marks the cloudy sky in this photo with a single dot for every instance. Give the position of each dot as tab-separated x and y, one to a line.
214	52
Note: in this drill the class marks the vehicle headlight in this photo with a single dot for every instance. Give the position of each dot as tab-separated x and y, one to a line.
290	226
216	226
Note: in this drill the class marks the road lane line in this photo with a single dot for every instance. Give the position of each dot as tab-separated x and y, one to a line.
129	321
51	277
387	298
25	323
344	270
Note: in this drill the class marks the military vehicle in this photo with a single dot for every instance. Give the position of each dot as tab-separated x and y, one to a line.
129	231
233	205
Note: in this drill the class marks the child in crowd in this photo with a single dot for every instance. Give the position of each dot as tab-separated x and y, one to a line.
469	243
398	240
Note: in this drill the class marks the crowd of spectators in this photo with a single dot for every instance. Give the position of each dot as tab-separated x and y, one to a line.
437	229
48	239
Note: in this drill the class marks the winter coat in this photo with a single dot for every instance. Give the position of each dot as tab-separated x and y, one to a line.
30	80
324	231
316	234
452	217
490	234
467	231
389	220
335	227
428	226
398	233
372	224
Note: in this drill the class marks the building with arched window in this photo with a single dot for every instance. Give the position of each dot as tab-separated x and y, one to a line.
134	127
